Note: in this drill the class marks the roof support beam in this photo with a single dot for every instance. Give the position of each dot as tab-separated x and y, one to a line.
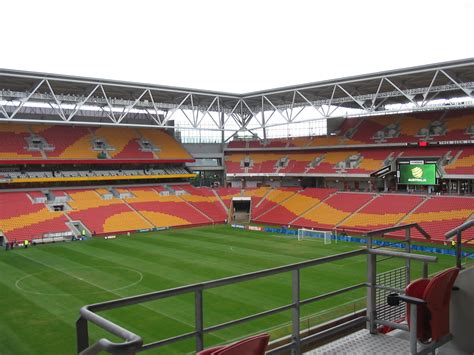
466	91
80	104
410	97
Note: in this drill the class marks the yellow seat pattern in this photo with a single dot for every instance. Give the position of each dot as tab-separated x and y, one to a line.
14	128
300	141
10	224
410	126
325	141
236	158
325	214
125	221
149	195
278	196
437	216
84	200
118	138
164	220
262	157
102	191
300	203
368	219
459	123
260	192
170	148
336	157
463	162
80	149
370	164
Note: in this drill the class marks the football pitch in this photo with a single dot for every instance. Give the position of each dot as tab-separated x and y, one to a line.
42	288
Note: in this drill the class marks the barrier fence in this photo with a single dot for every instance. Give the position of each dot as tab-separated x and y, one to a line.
351	239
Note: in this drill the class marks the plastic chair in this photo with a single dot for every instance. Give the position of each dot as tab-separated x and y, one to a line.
432	315
256	345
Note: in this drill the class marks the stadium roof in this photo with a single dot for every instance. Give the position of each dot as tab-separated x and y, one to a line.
128	103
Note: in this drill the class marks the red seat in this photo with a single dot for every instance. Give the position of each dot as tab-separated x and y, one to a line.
433	317
256	345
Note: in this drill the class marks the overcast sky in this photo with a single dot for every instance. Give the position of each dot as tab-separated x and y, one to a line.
237	46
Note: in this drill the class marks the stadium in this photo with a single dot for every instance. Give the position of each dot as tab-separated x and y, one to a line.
138	217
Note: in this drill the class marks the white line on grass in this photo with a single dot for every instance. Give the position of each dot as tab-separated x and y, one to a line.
141	304
64	271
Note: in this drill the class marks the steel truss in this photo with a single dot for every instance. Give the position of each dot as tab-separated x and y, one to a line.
45	98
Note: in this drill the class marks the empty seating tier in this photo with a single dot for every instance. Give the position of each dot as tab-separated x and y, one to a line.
294	206
60	142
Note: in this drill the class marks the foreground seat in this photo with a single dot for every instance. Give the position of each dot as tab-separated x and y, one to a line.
433	316
255	345
428	308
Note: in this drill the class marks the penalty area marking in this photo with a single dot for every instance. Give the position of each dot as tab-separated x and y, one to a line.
65	271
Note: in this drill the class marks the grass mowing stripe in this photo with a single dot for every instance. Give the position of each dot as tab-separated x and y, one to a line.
115	293
168	259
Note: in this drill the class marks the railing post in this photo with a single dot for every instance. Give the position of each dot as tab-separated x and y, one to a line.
295	291
413	330
82	335
458	249
371	291
425	270
408	250
199	320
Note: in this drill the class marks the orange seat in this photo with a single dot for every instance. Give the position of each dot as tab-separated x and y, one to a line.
256	345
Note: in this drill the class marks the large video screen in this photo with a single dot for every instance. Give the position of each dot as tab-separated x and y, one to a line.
417	174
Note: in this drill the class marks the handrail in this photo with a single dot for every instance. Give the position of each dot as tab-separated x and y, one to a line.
460	228
457	232
396	228
399	254
134	343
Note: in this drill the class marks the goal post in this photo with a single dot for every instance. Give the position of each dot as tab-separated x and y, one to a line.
304	233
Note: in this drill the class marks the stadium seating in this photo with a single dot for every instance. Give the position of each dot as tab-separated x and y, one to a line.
256	194
13	144
263	163
384	211
124	142
333	211
405	128
154	206
294	206
440	214
272	199
226	194
165	211
367	128
464	164
20	219
76	143
68	142
233	163
297	163
169	147
205	201
457	124
103	215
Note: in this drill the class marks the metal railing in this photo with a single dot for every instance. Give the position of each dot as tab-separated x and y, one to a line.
133	343
457	232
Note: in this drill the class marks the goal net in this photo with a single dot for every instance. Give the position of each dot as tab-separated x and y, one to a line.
304	233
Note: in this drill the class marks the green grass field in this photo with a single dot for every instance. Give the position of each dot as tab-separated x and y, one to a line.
42	288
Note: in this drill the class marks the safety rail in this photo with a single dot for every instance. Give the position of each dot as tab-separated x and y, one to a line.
134	343
457	232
